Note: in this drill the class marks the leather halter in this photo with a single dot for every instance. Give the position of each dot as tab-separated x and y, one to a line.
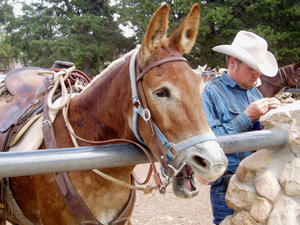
139	110
282	75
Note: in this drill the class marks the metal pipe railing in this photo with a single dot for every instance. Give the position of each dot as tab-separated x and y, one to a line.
253	140
25	163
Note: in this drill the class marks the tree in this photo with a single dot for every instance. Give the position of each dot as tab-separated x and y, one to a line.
136	14
6	57
83	32
278	21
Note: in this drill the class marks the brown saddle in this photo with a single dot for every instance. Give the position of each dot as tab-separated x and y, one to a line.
22	84
27	90
25	86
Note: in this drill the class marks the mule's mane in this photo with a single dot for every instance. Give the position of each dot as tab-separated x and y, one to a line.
111	67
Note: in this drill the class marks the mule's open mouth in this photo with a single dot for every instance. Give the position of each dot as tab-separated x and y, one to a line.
185	179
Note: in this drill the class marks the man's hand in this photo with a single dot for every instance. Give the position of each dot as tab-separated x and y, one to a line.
260	107
274	103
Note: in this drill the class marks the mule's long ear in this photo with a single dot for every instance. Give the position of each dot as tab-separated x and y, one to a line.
156	31
183	39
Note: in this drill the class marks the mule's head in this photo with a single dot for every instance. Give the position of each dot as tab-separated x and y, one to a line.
172	93
288	76
295	75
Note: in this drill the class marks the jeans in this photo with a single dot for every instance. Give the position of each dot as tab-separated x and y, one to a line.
217	197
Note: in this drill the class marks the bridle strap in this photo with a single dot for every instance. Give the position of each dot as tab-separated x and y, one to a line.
290	78
187	142
139	110
157	63
283	81
162	158
269	82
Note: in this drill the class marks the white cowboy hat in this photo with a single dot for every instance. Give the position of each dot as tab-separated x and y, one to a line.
252	50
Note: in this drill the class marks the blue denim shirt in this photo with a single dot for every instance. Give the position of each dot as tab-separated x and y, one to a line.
224	102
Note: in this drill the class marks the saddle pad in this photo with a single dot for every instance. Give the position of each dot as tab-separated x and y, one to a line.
32	138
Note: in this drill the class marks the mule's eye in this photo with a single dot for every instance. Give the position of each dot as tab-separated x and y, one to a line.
162	93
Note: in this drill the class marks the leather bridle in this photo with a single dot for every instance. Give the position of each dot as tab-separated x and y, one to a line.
284	82
141	109
74	202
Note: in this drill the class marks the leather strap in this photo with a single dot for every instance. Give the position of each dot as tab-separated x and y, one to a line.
75	203
162	158
2	201
157	63
127	211
73	200
79	208
48	132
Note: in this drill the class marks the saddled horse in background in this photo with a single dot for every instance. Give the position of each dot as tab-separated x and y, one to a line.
169	109
287	77
209	74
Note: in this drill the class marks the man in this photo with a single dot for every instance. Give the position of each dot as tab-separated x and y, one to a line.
232	104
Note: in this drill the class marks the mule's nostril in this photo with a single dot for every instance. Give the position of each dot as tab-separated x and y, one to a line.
200	161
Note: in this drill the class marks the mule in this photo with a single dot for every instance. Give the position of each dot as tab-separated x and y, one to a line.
287	77
162	103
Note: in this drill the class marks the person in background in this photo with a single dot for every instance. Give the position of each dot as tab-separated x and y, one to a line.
232	104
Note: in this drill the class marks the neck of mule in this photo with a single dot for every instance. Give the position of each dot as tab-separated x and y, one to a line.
102	112
272	85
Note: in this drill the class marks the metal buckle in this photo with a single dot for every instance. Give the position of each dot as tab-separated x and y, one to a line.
46	122
146	115
168	179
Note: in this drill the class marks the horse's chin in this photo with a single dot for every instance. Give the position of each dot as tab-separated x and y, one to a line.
183	184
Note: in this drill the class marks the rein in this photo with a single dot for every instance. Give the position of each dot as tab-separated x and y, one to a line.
76	205
138	110
78	208
156	176
60	79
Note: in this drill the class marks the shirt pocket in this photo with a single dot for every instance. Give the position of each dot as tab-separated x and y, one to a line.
231	113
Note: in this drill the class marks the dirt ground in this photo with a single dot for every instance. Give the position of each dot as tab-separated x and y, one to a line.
156	208
167	209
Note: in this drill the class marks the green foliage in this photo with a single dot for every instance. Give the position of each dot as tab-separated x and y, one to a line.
83	32
88	34
6	57
278	21
5	54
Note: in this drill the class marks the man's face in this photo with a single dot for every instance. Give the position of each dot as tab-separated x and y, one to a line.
245	75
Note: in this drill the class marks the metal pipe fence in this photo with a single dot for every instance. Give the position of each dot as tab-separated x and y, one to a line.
25	163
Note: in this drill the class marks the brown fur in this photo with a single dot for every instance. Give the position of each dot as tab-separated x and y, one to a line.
270	86
104	111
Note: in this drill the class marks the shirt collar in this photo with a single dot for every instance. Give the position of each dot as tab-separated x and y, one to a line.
228	81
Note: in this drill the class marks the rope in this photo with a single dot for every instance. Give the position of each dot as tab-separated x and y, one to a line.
147	190
59	78
68	125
